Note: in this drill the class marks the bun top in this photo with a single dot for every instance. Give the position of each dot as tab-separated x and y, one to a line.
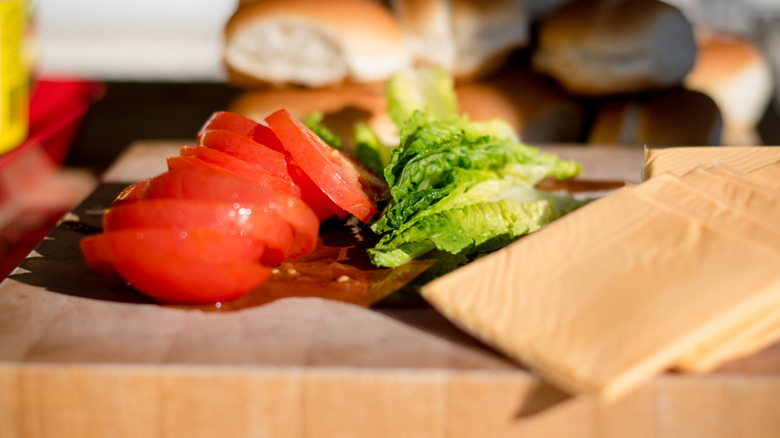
468	38
599	47
735	73
672	117
314	43
533	106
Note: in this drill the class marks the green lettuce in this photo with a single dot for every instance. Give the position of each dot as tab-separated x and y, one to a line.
314	121
456	186
428	89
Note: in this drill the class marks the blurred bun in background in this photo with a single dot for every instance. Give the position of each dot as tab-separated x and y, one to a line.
313	43
468	38
628	72
736	74
603	47
536	108
672	117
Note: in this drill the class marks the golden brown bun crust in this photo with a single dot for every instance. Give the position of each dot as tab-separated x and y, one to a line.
673	117
536	108
468	38
602	47
335	40
736	74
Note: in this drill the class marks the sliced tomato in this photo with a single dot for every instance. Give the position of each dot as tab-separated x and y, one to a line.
246	149
322	206
131	193
265	136
222	217
98	255
240	167
184	280
193	179
230	122
327	168
198	243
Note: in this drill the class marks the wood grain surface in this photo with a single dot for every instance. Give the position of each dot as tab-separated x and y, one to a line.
73	365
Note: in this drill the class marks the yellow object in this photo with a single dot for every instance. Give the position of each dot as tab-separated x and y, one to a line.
671	272
679	160
14	74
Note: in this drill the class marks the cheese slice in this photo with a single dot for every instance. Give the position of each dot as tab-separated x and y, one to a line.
768	175
678	160
708	205
761	204
755	343
611	294
756	331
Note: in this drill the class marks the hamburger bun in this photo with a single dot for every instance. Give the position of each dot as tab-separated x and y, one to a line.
467	38
673	117
603	47
313	43
736	74
537	109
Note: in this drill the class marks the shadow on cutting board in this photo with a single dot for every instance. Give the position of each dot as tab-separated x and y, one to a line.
341	254
62	269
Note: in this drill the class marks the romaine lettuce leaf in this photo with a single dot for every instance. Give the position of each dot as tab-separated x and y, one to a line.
428	89
458	187
469	229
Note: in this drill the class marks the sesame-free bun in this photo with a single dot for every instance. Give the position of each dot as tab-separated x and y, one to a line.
468	38
672	117
313	43
602	47
535	108
736	74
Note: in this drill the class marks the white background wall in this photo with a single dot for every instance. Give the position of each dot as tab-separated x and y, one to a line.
177	40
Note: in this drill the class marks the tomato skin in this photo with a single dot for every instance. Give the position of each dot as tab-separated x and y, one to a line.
199	243
131	193
239	167
333	174
191	179
98	256
265	136
322	206
222	217
230	122
247	149
199	265
183	280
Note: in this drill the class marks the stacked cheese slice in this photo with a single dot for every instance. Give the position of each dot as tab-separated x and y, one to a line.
680	271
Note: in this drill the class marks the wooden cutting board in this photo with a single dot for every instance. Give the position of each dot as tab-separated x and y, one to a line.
81	356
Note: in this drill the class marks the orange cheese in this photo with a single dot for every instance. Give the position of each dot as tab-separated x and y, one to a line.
613	293
678	160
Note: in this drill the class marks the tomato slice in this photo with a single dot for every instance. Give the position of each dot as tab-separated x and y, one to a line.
98	255
333	174
230	122
322	206
131	193
196	266
194	179
222	217
245	126
240	167
198	243
265	136
184	280
245	148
